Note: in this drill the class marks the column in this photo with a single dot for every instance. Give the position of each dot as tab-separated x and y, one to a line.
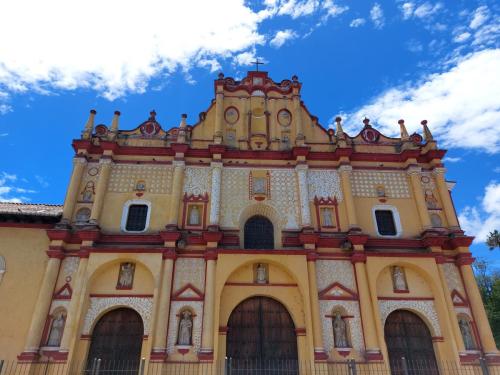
177	186
219	112
414	173
207	339
42	304
298	117
79	164
305	211
100	191
368	320
160	336
215	194
477	307
345	177
319	350
444	194
72	318
449	306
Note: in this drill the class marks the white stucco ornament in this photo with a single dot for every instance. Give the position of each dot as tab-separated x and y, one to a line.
425	308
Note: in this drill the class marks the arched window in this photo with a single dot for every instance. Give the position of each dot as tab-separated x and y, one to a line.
259	233
136	215
386	220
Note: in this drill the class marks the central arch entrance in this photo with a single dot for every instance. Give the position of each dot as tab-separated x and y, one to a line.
259	233
117	341
261	331
408	337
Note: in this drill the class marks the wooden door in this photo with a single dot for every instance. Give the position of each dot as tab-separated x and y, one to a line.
408	337
117	341
261	330
259	233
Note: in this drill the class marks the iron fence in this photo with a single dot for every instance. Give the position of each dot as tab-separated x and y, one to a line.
248	367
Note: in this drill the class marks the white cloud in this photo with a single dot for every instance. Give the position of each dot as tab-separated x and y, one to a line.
462	37
479	221
9	192
332	9
377	16
414	46
461	104
496	170
5	108
281	37
479	17
407	9
450	159
357	22
247	58
116	47
4	134
426	10
42	181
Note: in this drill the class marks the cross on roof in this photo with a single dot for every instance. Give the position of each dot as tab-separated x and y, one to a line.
257	63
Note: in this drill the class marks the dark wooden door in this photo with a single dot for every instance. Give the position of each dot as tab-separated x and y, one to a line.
117	341
261	329
259	233
408	337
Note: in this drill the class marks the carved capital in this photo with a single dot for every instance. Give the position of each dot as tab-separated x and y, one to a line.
414	169
345	168
439	171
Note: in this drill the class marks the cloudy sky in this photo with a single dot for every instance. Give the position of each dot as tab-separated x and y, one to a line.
392	59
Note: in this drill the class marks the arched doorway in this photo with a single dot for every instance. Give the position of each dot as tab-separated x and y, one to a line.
117	341
261	334
408	337
259	233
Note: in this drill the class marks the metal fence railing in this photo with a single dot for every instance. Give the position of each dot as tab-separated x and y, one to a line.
248	367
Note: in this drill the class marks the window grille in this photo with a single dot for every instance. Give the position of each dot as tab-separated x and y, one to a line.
385	222
136	218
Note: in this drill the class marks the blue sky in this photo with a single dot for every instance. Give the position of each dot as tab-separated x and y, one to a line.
410	59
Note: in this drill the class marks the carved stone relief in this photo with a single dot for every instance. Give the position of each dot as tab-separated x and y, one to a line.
98	305
189	271
197	180
330	271
323	183
90	177
124	177
69	266
453	279
365	183
176	308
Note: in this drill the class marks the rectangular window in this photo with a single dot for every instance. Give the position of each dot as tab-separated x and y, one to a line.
385	222
136	218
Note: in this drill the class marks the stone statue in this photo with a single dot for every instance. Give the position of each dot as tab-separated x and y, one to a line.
465	329
430	199
259	185
261	274
88	192
194	216
327	217
185	328
56	331
126	275
339	332
399	278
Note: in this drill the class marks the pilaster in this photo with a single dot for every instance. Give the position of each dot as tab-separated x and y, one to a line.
414	172
215	194
79	163
345	177
444	195
305	211
100	192
177	184
207	339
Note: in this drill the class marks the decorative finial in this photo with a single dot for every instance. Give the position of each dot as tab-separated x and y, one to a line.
404	132
295	78
427	133
366	121
181	135
152	115
221	75
340	131
183	120
89	125
114	126
257	63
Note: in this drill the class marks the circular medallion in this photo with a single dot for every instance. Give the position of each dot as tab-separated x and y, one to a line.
231	115
370	135
425	179
93	171
101	130
416	138
149	128
284	117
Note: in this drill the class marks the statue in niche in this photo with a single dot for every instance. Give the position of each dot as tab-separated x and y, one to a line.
466	331
339	332
326	215
259	185
261	274
194	215
430	200
399	279
88	192
185	328
56	330
140	185
380	191
126	276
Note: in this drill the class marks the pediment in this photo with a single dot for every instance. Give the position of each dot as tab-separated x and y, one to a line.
457	299
65	292
188	293
337	291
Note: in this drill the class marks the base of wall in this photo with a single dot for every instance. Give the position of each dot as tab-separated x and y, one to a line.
206	355
28	357
374	356
158	355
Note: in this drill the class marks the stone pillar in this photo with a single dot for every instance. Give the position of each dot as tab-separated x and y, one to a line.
476	305
305	211
368	320
345	178
160	337
319	349
72	318
177	185
219	114
100	191
297	114
414	173
215	194
42	306
207	338
79	164
449	306
444	195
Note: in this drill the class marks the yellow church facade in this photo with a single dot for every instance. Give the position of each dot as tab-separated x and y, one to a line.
253	234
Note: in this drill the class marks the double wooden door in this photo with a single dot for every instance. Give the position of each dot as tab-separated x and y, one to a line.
260	329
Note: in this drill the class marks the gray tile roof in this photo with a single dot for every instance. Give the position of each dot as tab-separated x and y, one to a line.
30	209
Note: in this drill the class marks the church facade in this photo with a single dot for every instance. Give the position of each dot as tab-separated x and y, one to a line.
253	234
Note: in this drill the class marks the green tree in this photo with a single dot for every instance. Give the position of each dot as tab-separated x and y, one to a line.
493	240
